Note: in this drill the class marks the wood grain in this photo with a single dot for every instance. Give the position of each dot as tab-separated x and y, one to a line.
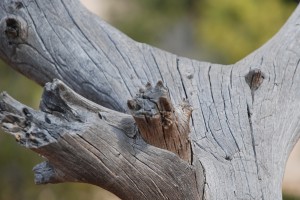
241	134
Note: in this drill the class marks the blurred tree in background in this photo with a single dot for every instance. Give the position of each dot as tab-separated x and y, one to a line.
213	30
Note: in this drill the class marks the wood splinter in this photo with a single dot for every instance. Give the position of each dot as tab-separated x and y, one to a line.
159	122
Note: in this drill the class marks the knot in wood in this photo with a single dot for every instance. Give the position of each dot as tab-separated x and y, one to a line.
12	28
254	79
15	29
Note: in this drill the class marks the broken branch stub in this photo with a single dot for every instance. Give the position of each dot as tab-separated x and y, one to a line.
85	142
159	122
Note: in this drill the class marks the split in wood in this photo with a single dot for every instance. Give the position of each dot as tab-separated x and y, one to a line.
159	122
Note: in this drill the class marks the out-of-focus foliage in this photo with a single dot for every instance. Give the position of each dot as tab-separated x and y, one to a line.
288	197
15	162
147	20
233	28
220	30
225	31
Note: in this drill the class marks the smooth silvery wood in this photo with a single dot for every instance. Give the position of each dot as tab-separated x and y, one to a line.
244	121
73	45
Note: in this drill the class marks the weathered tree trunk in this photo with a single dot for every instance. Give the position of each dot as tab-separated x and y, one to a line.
244	122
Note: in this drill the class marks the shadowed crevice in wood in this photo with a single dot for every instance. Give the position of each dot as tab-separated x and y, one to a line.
160	123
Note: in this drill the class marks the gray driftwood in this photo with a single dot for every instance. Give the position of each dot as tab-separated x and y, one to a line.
160	123
244	124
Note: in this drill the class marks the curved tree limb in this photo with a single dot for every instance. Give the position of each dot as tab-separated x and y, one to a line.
245	118
54	40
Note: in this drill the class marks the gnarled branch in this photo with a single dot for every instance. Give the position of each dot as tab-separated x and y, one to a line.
84	142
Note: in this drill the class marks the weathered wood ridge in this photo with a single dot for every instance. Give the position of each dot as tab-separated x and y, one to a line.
244	124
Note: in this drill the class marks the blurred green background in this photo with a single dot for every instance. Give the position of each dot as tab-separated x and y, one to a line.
212	30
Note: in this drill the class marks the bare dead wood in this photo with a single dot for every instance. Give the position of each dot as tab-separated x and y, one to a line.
85	142
244	124
161	124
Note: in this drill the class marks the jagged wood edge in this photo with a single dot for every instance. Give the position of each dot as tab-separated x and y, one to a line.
161	123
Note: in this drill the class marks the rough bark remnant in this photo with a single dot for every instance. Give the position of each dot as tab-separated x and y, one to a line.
160	123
